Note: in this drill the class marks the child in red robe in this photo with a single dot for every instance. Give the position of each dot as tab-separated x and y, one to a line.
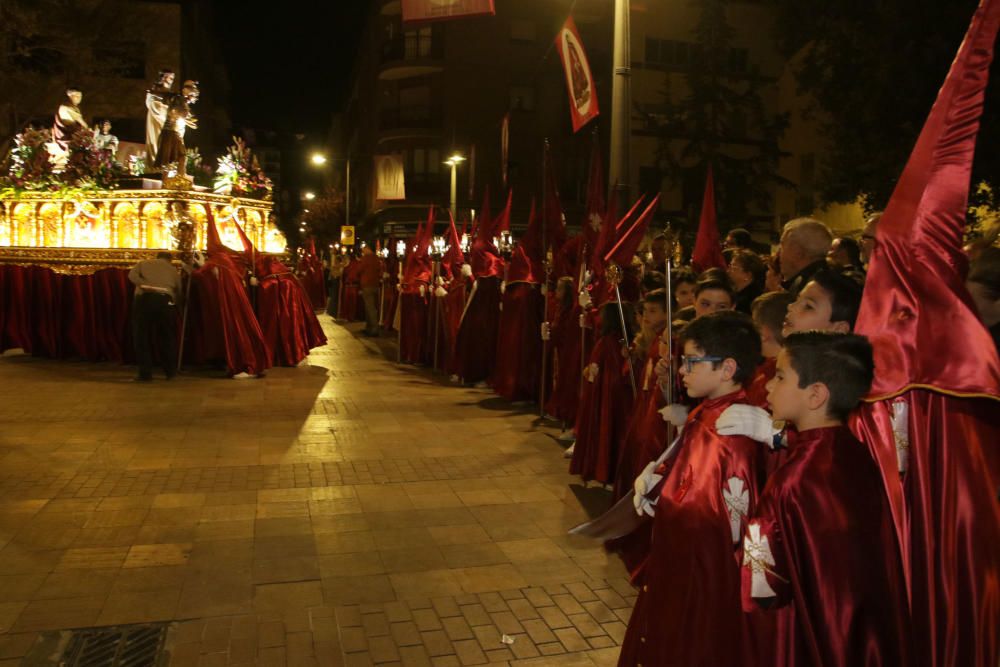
820	549
688	611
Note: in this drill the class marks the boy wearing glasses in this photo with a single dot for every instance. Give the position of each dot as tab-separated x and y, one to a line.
820	548
688	611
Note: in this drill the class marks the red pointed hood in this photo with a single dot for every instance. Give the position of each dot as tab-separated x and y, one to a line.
417	267
707	251
526	258
915	307
218	252
451	263
484	256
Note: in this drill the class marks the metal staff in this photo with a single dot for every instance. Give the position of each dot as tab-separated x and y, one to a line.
436	300
548	271
614	276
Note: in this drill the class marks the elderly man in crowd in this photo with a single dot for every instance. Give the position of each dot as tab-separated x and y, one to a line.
804	245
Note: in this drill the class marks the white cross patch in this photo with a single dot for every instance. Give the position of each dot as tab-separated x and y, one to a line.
737	498
757	555
901	433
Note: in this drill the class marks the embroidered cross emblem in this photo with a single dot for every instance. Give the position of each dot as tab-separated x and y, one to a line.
758	557
901	433
737	498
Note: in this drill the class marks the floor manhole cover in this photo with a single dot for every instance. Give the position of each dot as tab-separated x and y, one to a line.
115	646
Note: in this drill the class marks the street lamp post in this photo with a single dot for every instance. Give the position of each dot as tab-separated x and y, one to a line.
453	162
620	104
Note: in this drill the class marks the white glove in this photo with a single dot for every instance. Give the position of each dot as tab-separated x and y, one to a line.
423	290
645	483
385	276
253	281
583	321
545	290
585	300
467	270
503	286
675	413
440	291
546	331
747	420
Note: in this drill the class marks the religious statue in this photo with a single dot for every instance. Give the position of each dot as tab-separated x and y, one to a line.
157	103
68	121
104	140
179	117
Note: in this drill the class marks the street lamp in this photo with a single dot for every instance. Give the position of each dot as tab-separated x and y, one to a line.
318	159
453	162
309	196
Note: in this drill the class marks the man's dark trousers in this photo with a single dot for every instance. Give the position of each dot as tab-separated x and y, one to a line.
153	316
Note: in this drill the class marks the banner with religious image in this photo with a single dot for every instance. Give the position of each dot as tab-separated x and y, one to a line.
579	80
389	180
423	11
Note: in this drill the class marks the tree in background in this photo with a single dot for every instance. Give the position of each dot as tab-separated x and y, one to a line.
720	120
323	218
874	69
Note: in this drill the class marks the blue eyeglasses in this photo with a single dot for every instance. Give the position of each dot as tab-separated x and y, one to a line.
689	361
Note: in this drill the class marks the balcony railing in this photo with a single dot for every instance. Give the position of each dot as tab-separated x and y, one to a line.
420	117
413	47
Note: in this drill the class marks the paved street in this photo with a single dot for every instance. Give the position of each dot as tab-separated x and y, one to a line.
349	512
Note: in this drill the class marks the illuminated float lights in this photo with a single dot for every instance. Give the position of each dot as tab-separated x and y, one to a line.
118	227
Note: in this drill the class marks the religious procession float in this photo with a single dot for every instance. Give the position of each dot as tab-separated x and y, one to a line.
77	212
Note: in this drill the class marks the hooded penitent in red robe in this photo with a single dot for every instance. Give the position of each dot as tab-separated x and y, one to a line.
517	374
415	346
688	611
605	403
286	315
565	343
820	556
221	311
932	409
314	278
476	342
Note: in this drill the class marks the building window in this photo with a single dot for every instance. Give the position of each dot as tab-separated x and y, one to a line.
522	31
418	43
522	98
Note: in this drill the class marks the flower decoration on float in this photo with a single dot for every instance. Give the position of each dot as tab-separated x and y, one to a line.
239	173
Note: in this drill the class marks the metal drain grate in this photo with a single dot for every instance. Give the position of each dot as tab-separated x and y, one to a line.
121	646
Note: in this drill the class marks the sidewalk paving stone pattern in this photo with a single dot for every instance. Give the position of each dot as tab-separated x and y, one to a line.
348	512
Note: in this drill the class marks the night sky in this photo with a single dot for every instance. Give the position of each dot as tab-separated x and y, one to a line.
289	62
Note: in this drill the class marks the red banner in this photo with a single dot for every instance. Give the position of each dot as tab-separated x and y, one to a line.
422	11
579	80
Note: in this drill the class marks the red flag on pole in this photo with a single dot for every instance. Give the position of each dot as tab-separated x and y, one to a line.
425	11
628	243
579	80
707	252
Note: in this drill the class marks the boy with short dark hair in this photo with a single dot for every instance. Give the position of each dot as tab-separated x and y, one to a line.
829	302
688	609
822	530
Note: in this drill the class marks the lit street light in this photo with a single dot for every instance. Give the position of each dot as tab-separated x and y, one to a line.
309	196
318	159
453	162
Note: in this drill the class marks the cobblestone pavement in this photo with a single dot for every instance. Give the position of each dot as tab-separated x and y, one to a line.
349	512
